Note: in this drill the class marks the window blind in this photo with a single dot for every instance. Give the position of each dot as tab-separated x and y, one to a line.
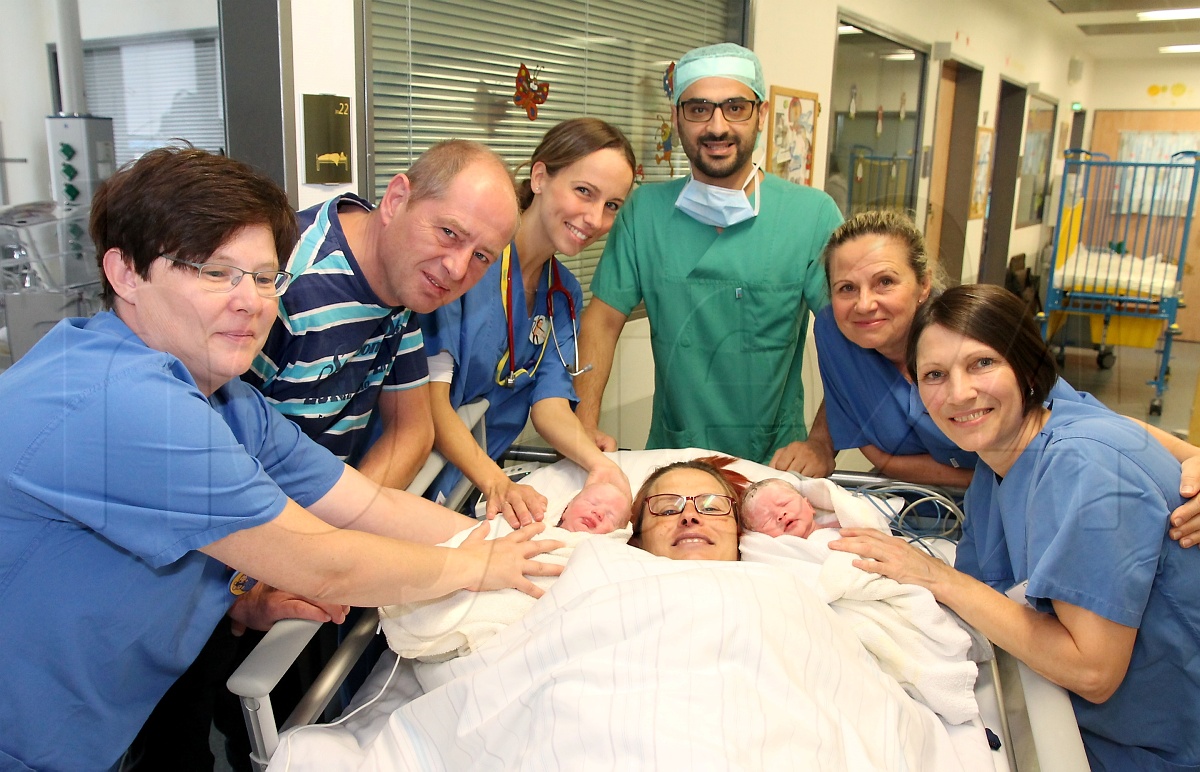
444	69
157	89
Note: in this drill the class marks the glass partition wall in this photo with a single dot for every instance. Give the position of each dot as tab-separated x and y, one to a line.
875	127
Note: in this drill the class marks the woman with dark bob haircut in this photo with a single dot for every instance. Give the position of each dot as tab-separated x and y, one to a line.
1065	559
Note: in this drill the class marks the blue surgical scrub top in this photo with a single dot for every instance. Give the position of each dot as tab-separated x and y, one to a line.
1082	515
474	331
870	402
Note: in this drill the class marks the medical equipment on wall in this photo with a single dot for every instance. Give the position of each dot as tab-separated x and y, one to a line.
542	328
48	271
81	156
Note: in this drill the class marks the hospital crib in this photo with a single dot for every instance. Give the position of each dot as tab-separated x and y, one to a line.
1032	717
1120	246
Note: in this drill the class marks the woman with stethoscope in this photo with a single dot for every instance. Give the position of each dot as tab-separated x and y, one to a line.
512	338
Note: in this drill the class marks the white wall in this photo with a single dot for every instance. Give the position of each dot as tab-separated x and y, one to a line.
25	98
1167	83
323	59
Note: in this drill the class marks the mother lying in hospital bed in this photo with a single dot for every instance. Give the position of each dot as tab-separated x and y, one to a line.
1066	517
879	276
700	661
144	483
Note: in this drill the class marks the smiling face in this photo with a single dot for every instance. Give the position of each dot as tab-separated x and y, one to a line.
573	208
721	152
875	294
216	335
778	508
689	535
433	250
974	397
598	508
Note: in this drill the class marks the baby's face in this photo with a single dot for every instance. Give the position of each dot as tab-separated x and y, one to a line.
779	509
599	508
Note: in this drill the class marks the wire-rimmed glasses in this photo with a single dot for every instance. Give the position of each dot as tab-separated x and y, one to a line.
218	277
668	504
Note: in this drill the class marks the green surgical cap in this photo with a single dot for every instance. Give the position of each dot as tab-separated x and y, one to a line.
723	60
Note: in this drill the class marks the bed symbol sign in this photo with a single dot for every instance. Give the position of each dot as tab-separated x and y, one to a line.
240	583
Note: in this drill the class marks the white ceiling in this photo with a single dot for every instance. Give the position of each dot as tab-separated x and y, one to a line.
1109	29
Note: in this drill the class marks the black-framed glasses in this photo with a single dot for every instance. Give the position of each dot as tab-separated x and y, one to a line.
217	277
736	110
668	504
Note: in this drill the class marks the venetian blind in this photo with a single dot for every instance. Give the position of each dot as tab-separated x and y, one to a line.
156	90
447	69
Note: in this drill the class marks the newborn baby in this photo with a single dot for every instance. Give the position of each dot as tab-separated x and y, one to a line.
774	507
598	508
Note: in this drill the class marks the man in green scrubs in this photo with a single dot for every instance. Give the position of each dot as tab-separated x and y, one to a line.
728	261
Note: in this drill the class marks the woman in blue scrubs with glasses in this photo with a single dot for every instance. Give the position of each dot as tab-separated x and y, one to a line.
512	338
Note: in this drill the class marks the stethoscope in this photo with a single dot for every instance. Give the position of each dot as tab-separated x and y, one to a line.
537	329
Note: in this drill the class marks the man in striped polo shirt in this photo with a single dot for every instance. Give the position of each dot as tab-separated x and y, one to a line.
346	341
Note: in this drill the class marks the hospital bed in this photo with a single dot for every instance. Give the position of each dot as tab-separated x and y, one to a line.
1032	718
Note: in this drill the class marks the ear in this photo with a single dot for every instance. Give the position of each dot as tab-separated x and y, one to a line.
764	108
537	177
926	288
395	198
121	274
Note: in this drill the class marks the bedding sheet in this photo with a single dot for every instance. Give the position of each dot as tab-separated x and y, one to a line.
1105	271
635	661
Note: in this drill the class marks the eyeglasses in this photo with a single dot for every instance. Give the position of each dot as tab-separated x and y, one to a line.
736	110
667	504
216	277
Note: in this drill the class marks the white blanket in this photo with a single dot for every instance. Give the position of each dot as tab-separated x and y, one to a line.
1105	271
915	640
461	622
634	661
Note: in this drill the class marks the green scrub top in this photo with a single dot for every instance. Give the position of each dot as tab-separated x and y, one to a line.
728	312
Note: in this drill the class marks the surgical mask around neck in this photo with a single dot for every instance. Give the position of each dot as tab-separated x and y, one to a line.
716	206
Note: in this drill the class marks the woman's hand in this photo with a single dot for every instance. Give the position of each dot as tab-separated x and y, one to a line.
609	472
519	504
264	605
1185	520
892	557
508	561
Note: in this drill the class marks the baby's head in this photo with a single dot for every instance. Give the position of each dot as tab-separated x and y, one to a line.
774	507
598	508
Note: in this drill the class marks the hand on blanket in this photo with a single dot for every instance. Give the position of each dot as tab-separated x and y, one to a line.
508	561
892	557
1185	521
519	504
264	605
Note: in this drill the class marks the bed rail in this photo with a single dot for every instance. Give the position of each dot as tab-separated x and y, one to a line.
261	671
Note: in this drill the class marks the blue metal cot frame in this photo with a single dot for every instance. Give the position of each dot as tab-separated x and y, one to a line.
1139	209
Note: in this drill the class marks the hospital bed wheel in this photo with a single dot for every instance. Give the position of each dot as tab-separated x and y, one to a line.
1156	406
1105	359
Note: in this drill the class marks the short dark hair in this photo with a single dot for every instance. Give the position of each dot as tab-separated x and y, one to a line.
730	480
890	224
434	170
997	318
569	141
185	202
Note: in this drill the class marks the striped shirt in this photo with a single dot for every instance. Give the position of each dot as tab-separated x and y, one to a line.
335	345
